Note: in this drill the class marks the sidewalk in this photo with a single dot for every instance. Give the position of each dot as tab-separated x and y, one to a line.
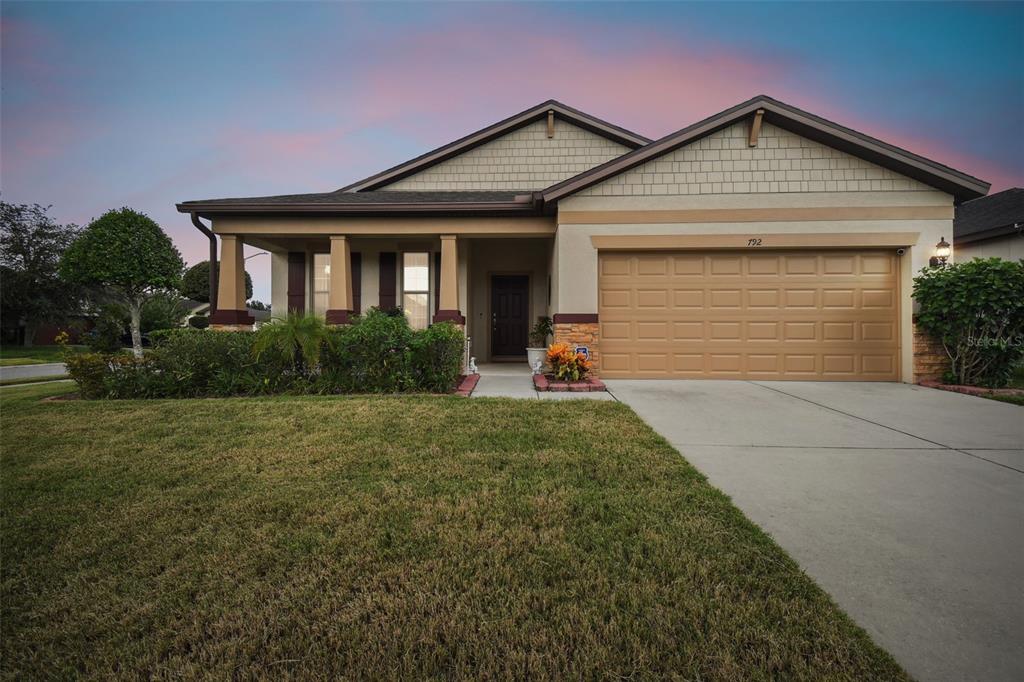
513	380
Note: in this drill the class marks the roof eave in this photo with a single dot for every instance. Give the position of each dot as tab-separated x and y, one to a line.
383	210
991	233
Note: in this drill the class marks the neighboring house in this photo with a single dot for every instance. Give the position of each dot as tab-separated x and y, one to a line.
761	243
990	227
195	308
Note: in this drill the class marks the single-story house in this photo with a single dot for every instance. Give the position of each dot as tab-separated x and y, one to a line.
763	242
990	227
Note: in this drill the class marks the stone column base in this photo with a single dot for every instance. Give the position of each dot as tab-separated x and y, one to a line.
930	359
580	329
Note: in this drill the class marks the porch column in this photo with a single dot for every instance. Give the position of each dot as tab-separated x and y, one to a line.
448	295
339	298
231	312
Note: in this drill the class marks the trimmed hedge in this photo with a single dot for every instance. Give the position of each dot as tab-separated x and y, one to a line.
378	353
975	310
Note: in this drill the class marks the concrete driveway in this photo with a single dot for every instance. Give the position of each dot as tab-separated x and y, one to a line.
905	503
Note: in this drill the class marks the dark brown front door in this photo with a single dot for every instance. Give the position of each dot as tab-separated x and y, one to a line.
510	314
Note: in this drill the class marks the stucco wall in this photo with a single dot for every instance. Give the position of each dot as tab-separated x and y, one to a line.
1010	247
524	159
576	259
723	163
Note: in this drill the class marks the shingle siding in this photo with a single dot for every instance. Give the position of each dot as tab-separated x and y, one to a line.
723	163
525	159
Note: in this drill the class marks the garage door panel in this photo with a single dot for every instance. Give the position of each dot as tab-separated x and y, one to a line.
765	315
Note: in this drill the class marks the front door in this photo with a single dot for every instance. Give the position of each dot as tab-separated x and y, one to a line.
510	314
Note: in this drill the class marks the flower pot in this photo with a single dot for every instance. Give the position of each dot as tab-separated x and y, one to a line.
535	356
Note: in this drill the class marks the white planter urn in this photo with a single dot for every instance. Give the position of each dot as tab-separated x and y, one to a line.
535	357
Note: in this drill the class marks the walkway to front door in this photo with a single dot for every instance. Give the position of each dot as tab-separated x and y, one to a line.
514	380
510	315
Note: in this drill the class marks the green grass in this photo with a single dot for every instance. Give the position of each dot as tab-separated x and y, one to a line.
31	380
384	537
33	355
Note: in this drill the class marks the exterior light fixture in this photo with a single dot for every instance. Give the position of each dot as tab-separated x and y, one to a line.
941	254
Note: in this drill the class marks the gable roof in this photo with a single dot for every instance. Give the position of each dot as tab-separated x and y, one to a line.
491	132
961	185
992	216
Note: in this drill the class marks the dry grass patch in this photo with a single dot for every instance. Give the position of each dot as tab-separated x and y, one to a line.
414	537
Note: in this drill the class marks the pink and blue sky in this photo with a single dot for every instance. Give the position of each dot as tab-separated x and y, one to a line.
149	103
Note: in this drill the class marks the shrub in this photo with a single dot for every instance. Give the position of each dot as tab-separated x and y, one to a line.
437	357
105	336
976	310
89	370
377	353
373	354
199	322
566	363
161	311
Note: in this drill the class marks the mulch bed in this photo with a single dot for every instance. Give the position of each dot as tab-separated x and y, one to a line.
974	390
548	382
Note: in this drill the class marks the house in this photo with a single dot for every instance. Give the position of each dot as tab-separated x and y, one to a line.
763	242
990	227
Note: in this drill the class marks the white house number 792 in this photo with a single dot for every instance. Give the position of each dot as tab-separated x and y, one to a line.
754	242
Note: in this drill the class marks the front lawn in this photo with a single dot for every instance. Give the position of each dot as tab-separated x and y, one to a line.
383	537
32	355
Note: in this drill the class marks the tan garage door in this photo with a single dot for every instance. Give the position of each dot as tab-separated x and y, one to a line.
797	315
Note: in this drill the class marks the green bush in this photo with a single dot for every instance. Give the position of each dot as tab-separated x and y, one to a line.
109	327
89	370
976	310
199	322
377	353
437	357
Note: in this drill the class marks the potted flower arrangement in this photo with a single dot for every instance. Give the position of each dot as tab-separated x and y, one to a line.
537	350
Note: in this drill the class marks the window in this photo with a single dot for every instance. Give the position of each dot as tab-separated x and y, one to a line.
321	282
416	289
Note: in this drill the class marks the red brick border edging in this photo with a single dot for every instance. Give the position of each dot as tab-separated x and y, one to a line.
971	390
466	385
543	382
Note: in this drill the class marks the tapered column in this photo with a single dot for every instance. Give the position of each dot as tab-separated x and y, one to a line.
231	309
339	298
448	296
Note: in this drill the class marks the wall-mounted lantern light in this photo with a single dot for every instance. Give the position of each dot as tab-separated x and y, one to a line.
941	254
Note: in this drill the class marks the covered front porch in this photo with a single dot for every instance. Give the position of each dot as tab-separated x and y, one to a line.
495	284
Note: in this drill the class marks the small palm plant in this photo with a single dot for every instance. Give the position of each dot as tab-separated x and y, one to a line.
300	336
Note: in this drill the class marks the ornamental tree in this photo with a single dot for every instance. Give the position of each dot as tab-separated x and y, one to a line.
127	255
31	244
976	310
195	284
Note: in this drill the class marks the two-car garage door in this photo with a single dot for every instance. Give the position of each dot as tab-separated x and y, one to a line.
798	315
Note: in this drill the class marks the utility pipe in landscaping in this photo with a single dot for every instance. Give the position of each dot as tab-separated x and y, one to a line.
213	260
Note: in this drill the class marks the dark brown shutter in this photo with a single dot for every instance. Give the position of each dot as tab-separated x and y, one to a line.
437	281
356	263
388	280
296	282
